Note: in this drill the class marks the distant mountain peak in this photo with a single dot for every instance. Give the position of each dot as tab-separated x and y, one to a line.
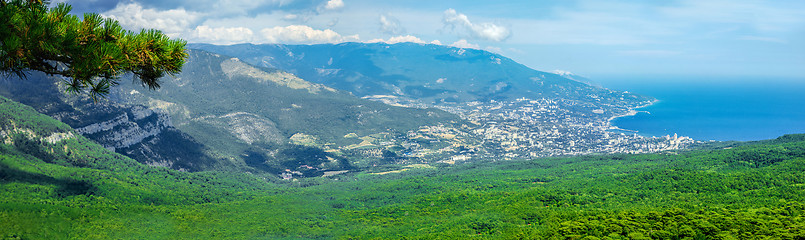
235	67
562	73
410	70
575	77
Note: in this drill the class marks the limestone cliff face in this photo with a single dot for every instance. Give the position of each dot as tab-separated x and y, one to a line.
55	137
144	134
130	127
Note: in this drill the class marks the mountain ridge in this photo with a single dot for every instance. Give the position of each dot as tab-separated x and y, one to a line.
228	115
260	118
520	112
262	112
426	72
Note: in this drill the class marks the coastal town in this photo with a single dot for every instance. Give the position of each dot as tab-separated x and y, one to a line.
530	128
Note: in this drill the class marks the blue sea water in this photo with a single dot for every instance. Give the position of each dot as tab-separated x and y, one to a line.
716	109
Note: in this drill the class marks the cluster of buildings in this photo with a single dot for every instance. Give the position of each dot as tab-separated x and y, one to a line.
528	128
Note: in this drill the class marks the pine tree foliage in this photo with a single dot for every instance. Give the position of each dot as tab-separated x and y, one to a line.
90	53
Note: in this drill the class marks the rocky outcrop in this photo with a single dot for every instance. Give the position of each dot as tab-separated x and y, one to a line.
58	137
144	134
235	67
171	148
252	128
131	127
5	136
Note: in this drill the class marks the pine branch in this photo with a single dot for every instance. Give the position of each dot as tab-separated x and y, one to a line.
91	52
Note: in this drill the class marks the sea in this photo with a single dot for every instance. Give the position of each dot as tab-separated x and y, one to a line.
715	108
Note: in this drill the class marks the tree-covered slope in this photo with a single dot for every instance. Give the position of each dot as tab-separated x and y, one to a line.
67	187
56	184
426	72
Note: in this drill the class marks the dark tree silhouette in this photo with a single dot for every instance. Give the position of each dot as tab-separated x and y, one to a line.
90	52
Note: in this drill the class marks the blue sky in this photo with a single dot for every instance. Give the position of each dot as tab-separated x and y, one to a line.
593	38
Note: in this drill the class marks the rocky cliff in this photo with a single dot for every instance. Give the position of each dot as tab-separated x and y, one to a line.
144	134
130	127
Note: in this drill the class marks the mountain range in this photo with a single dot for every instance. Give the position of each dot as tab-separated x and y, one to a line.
425	72
304	110
264	114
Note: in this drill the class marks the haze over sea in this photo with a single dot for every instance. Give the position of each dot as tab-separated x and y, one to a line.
704	108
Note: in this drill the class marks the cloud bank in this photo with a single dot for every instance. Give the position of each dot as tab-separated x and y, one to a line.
464	44
172	22
486	31
331	5
222	35
399	39
303	34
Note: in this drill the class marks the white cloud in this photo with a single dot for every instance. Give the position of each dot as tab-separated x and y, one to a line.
222	35
398	39
303	34
390	25
494	49
437	42
134	17
297	18
464	44
331	5
486	30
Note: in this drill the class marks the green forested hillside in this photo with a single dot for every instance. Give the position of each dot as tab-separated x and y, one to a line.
71	188
52	188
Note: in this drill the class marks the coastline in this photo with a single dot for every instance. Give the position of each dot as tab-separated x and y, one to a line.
631	112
